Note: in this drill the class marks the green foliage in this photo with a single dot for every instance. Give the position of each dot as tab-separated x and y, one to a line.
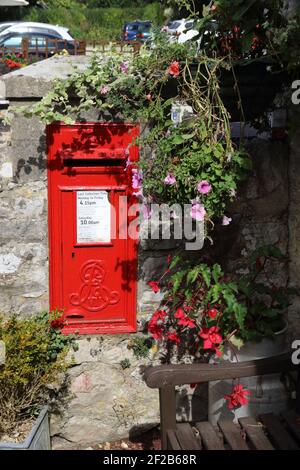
140	346
264	300
200	149
203	309
95	20
35	357
248	29
188	153
125	364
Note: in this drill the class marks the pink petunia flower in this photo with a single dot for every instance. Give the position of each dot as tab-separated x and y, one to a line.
124	66
104	90
198	211
137	179
146	211
170	179
226	220
204	187
127	164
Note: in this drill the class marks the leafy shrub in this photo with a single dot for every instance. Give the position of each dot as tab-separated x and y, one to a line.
203	309
95	20
35	357
140	346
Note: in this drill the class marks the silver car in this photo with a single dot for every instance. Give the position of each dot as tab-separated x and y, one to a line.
33	27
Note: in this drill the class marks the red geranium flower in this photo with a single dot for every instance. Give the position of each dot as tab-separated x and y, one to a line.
213	313
184	320
238	397
155	324
174	69
155	330
173	337
211	337
154	286
188	308
11	64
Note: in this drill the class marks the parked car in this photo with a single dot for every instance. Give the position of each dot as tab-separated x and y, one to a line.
31	27
137	31
40	43
5	25
175	28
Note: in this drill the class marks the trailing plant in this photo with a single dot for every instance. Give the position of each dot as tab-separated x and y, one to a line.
203	309
175	161
247	29
35	358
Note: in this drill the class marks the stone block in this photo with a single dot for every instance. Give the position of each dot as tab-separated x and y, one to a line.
29	159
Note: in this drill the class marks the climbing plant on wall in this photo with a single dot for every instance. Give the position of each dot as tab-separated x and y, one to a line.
194	161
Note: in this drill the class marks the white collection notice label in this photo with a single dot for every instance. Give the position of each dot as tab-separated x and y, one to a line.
93	217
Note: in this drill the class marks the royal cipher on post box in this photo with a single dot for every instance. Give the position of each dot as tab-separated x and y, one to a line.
93	261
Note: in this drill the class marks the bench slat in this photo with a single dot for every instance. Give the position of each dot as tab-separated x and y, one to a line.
277	432
255	434
186	437
293	422
209	437
172	442
232	435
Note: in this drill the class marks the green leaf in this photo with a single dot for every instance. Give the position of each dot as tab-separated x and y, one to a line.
175	261
240	312
237	342
177	280
206	275
216	272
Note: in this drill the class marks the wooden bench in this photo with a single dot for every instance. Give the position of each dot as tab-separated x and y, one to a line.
268	432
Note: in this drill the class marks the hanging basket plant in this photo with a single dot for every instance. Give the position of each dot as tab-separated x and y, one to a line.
257	39
194	163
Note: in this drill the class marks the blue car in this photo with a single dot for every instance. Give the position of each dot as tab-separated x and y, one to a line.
137	31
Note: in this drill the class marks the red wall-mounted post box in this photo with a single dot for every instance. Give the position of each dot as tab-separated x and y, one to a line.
93	270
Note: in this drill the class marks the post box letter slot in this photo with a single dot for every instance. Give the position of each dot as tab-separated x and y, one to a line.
89	162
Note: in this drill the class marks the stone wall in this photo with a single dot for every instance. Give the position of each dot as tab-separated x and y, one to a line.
106	402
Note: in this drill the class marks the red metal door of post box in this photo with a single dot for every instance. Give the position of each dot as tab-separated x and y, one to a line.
93	270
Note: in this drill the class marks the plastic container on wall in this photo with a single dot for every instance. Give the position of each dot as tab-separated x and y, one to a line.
38	438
